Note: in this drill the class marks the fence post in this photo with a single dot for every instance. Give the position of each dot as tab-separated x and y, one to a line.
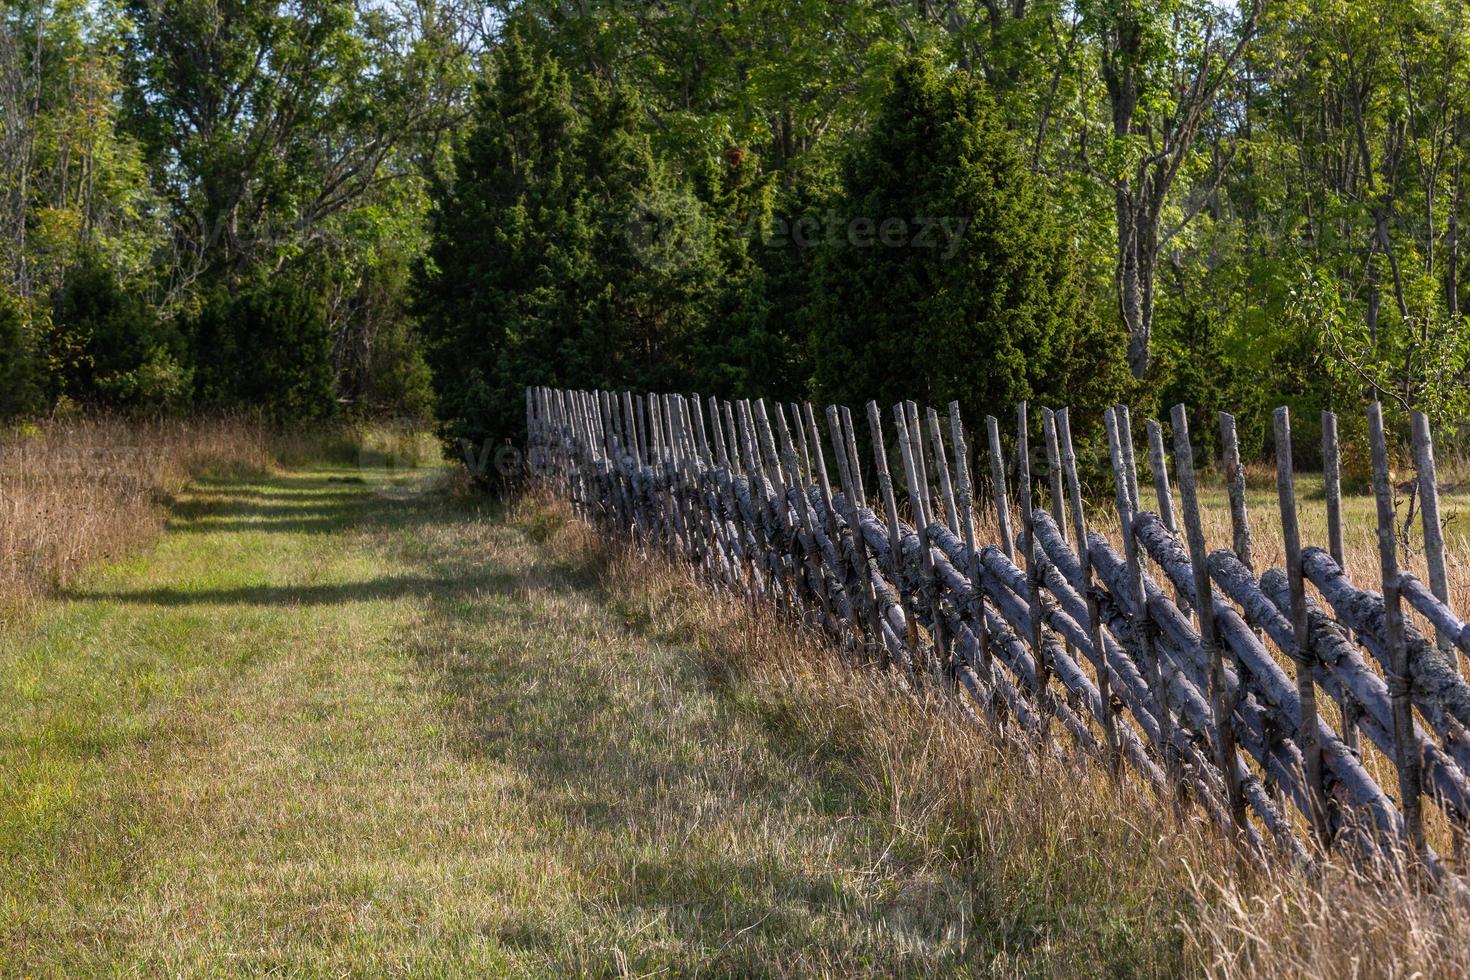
842	570
1220	702
1143	630
946	488
1088	587
895	539
1308	736
998	480
967	526
1332	491
1054	470
1159	463
1130	465
1433	529
1028	551
1235	489
906	418
1399	679
844	445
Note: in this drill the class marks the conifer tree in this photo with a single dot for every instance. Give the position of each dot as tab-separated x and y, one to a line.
510	249
947	275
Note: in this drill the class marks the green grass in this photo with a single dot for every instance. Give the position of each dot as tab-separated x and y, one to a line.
328	727
331	725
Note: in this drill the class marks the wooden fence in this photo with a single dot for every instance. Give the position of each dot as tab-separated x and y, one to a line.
1187	666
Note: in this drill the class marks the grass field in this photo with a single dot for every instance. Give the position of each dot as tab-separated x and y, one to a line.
333	727
328	729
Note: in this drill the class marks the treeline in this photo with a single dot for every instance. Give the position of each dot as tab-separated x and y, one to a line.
313	204
220	205
1249	204
571	249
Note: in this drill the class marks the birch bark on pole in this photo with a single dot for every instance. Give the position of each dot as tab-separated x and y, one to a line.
1087	585
1301	653
1220	705
1235	489
998	481
1332	491
1400	682
1433	529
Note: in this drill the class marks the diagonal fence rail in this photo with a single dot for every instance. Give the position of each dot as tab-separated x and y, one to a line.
1203	677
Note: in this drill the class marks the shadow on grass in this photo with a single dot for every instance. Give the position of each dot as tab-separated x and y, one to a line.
387	587
300	505
596	720
307	504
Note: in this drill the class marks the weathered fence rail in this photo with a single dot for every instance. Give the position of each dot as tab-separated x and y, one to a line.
1184	665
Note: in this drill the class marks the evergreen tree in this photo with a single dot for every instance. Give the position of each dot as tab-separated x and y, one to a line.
654	243
267	347
108	346
509	249
564	253
946	275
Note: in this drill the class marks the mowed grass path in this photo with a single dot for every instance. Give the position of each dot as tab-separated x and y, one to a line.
328	727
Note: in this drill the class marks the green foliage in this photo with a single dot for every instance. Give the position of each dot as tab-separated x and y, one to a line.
108	346
1271	195
510	245
266	348
947	276
21	373
564	252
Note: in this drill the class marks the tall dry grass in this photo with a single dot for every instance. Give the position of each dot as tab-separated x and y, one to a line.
1066	871
80	490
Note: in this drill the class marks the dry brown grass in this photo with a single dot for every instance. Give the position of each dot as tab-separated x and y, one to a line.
76	491
72	492
1065	871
